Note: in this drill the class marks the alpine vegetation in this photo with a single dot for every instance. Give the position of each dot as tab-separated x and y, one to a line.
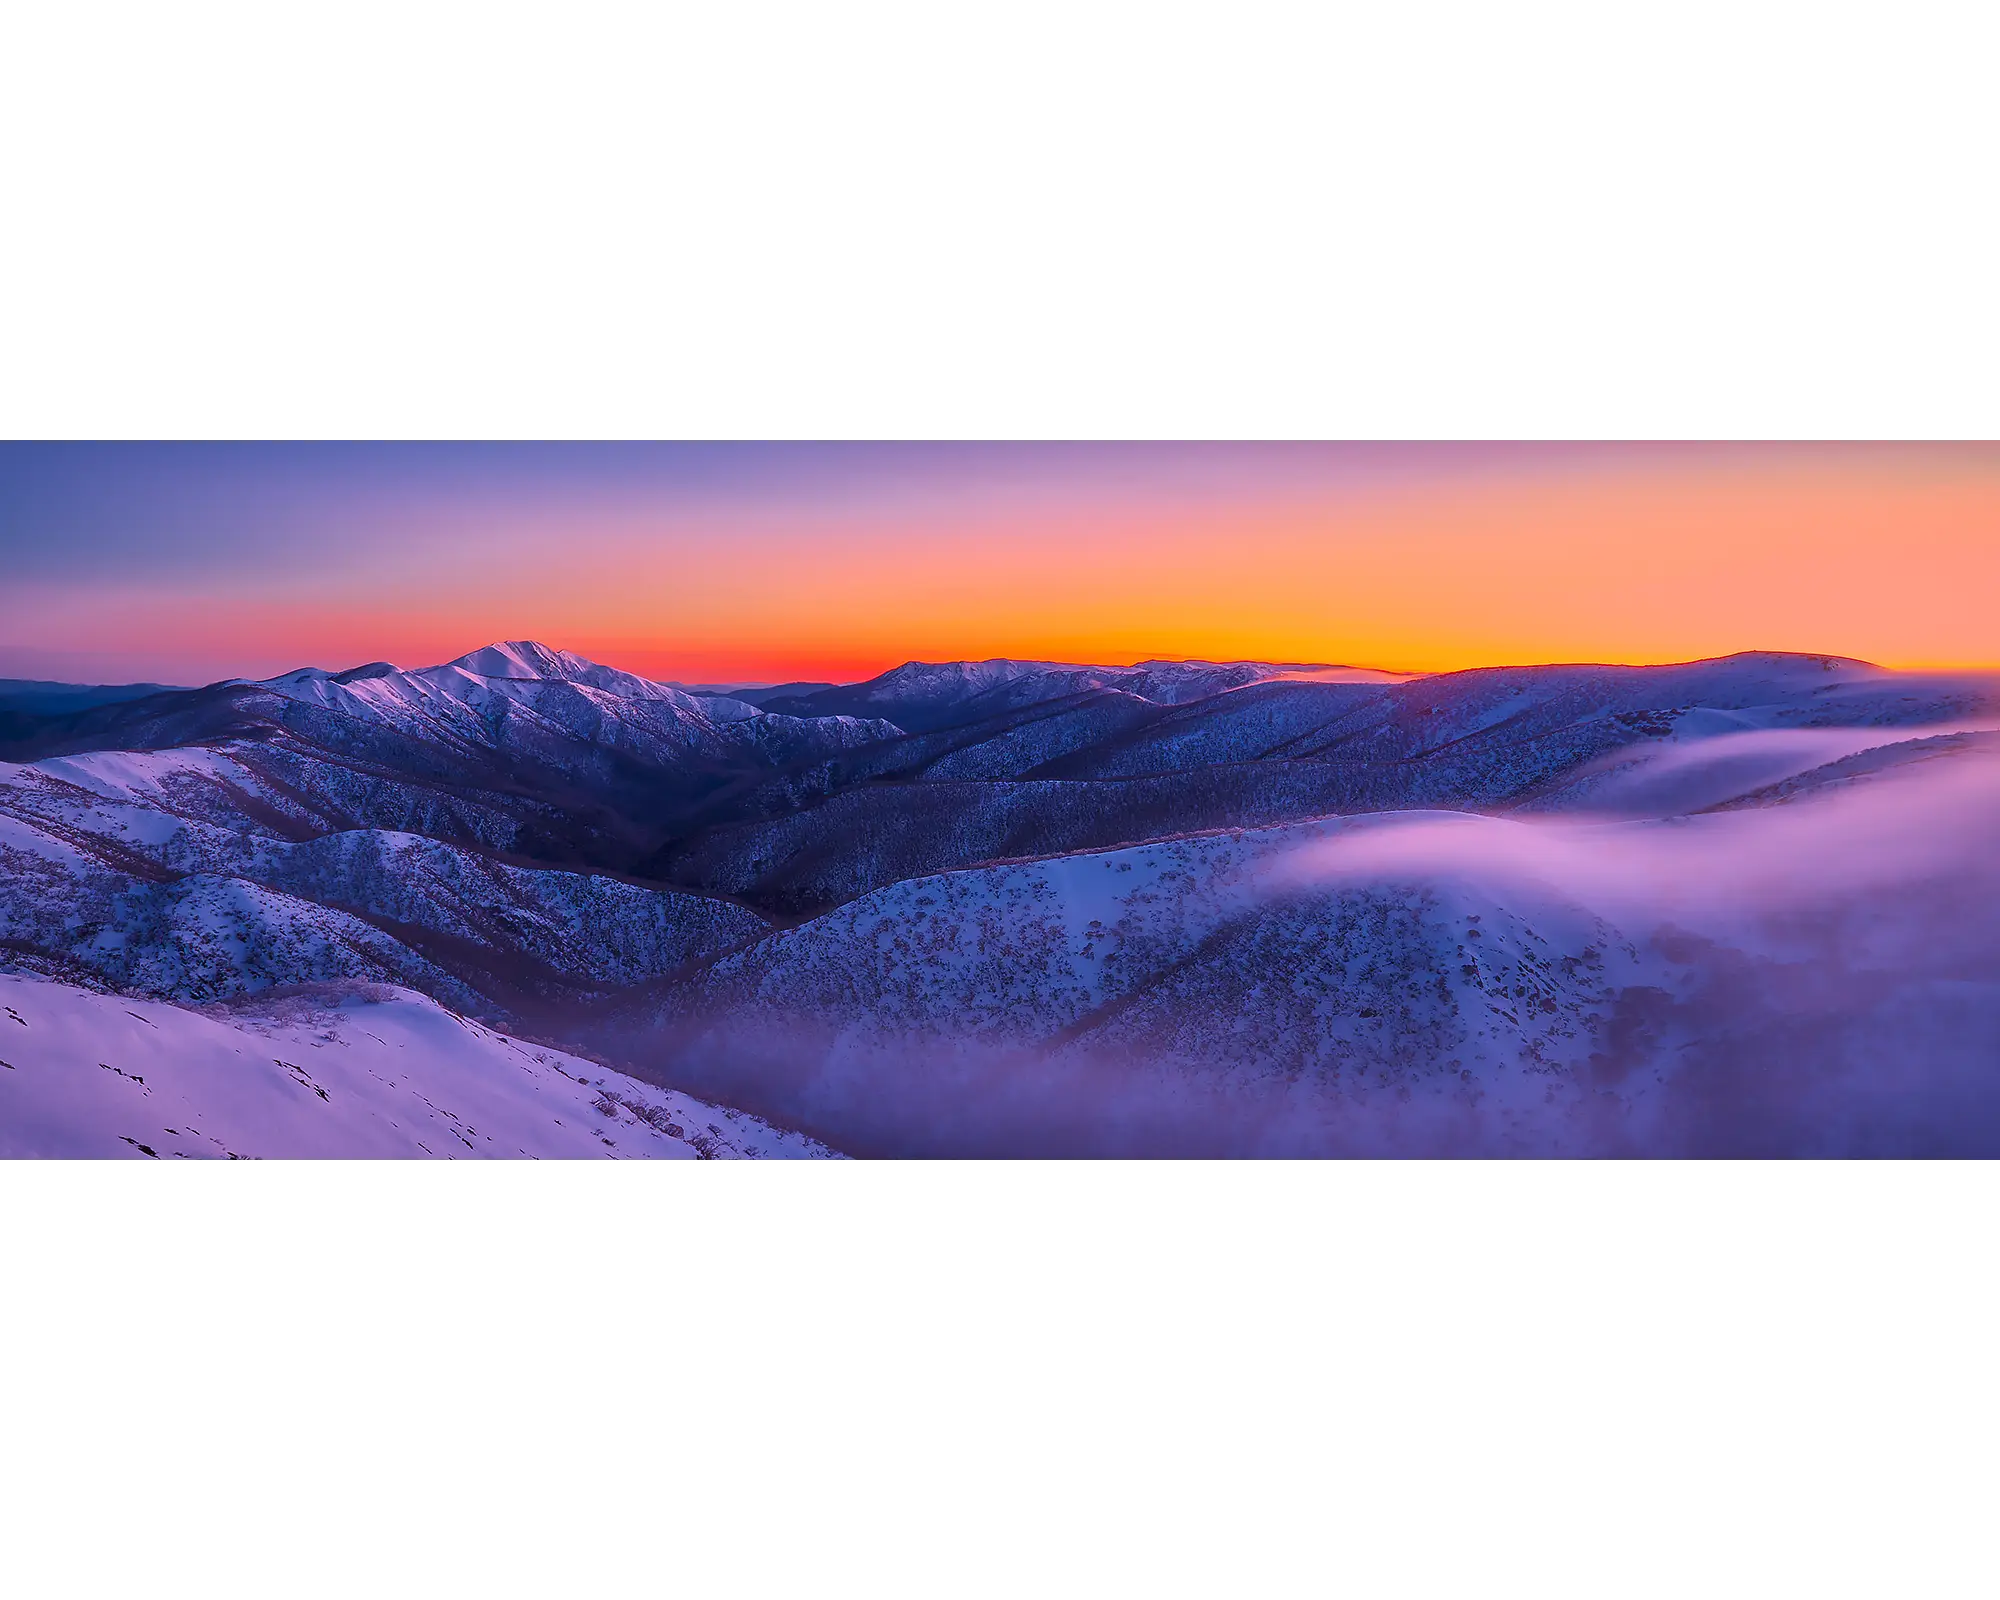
523	904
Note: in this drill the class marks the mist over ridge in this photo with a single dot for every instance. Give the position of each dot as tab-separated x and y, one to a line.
1735	906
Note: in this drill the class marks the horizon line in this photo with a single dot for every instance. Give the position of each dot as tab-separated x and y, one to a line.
723	686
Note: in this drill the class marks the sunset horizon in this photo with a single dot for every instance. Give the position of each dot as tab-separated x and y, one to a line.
645	663
1024	800
833	563
1247	760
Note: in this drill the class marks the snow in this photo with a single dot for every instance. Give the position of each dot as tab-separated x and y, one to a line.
184	908
1037	871
521	696
1816	977
136	774
378	1074
721	708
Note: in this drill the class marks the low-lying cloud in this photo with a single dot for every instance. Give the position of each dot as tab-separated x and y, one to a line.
1817	978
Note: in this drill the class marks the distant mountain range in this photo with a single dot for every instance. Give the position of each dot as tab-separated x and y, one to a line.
921	697
892	914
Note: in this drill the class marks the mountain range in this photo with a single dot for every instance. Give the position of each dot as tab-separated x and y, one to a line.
1014	907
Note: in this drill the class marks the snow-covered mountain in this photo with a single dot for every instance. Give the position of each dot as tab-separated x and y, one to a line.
1106	767
921	695
348	1073
524	698
1817	972
188	874
509	724
1067	901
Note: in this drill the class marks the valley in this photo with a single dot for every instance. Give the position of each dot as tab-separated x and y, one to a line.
1024	908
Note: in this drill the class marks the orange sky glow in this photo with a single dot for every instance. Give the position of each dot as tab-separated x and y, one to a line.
1891	554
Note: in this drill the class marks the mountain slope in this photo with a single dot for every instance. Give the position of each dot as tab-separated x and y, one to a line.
1107	768
923	696
104	853
1815	976
1052	907
375	1074
585	750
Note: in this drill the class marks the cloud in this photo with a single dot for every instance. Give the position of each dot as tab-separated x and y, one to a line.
1814	978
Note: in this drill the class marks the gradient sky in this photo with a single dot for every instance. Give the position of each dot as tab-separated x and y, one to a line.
186	563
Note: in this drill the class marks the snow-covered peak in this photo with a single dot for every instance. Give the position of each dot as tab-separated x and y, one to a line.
513	661
535	702
519	660
966	677
526	658
508	669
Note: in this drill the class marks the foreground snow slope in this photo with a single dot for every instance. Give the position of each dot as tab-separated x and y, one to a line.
377	1073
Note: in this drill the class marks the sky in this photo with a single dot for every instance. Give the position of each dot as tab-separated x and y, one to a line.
741	563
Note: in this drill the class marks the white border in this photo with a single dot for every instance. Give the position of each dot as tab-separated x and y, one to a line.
1548	219
1541	220
997	1379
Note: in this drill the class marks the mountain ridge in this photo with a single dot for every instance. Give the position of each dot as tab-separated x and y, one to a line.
556	848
